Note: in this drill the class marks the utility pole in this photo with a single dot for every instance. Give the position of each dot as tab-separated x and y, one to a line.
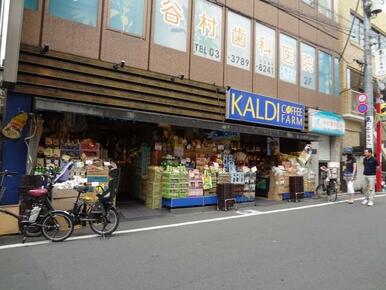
368	75
368	10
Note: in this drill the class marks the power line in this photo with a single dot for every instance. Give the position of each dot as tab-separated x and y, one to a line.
349	36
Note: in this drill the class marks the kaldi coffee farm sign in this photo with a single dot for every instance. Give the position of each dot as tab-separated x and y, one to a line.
252	108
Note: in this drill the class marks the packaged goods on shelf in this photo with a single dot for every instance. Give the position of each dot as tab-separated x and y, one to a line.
175	182
196	186
223	178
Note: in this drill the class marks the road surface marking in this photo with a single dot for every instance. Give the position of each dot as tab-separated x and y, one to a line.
253	213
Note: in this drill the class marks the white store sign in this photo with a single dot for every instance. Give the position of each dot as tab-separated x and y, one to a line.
380	63
369	132
238	41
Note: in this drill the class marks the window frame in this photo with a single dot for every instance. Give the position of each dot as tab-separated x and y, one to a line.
282	33
316	73
331	88
145	17
326	11
98	15
36	5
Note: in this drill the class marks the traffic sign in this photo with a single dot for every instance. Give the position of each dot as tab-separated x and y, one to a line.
362	108
362	98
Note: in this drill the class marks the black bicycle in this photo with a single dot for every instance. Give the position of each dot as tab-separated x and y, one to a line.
100	214
40	217
328	188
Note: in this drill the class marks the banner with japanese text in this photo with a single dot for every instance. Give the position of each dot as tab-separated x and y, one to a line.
238	41
207	30
171	23
265	53
288	59
307	66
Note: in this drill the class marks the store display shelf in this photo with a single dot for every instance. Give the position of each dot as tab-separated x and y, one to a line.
198	201
307	194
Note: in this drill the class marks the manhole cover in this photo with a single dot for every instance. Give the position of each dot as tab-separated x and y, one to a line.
247	211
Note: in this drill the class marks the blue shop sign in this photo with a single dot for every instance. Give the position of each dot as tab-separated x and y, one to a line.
248	107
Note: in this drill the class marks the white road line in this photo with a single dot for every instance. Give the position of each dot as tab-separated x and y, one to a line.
238	216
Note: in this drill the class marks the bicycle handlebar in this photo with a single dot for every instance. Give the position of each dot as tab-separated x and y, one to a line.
7	173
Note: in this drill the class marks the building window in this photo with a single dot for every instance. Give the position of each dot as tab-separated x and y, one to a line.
336	10
171	24
80	11
288	59
265	51
309	2
357	31
31	4
325	73
207	30
307	66
128	16
337	77
325	7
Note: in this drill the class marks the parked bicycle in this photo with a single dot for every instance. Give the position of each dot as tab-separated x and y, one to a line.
328	188
40	217
101	215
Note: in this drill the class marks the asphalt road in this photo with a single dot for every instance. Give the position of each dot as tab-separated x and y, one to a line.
339	246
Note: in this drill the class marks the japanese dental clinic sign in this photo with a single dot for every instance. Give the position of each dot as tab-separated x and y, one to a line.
288	56
325	123
238	41
265	50
207	30
248	107
171	23
307	67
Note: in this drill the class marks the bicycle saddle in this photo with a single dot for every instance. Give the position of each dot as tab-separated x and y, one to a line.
38	192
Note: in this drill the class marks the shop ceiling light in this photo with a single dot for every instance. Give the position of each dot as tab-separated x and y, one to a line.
45	48
119	65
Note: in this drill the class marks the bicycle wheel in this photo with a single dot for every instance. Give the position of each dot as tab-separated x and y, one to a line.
57	226
332	193
321	191
105	224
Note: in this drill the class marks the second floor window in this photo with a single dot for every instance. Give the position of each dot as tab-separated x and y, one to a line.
31	4
325	73
80	11
325	7
128	16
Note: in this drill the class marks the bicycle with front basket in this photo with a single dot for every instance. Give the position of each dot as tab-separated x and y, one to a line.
40	218
328	188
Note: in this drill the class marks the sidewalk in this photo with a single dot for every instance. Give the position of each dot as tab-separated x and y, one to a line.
131	218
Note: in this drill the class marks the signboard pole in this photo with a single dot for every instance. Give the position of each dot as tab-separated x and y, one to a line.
368	78
378	155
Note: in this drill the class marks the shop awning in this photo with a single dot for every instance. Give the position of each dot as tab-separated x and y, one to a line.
42	104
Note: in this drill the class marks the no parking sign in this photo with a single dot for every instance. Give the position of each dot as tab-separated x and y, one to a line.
362	107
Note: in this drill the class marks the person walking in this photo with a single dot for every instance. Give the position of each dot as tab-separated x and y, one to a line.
370	169
349	176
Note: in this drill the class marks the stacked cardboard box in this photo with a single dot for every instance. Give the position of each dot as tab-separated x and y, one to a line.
8	224
152	187
279	184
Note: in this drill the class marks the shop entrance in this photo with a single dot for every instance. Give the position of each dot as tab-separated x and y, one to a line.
190	161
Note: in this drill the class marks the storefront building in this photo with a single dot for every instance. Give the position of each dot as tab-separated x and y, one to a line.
171	81
331	128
